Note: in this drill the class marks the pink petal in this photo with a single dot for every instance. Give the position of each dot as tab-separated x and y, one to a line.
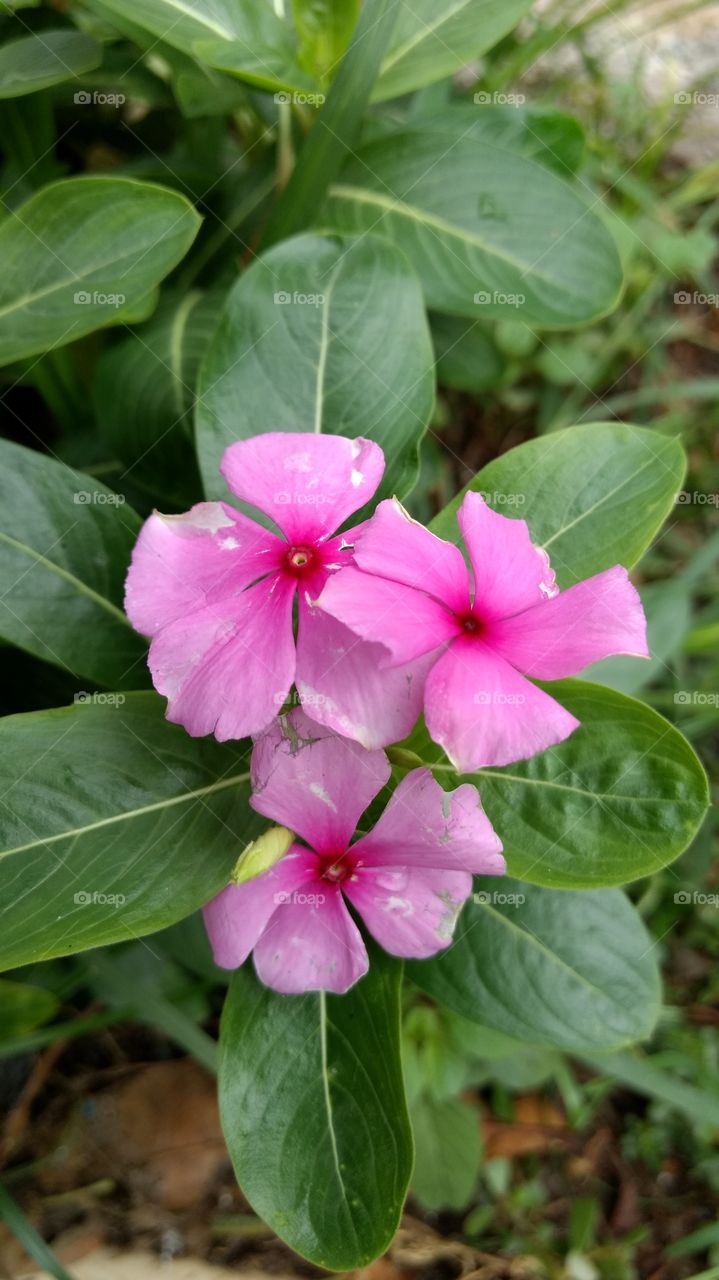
341	683
410	911
314	782
407	622
311	945
596	618
395	546
484	713
308	484
510	573
237	916
227	669
182	563
424	826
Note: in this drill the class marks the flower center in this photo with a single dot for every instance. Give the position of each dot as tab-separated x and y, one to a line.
337	868
300	560
471	624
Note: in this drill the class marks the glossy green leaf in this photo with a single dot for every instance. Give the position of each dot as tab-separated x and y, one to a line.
45	58
576	971
24	1007
314	1114
489	231
320	335
620	798
144	396
552	137
80	252
592	496
114	824
65	545
434	38
324	28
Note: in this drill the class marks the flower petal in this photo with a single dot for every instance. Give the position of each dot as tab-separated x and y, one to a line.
235	919
311	945
510	573
342	684
308	484
596	618
227	669
424	826
484	713
407	622
182	563
411	911
314	782
395	546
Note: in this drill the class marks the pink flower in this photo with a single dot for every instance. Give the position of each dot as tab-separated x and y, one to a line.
413	593
407	877
216	592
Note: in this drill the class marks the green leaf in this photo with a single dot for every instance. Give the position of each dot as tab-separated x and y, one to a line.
448	1152
620	798
144	393
81	251
24	1007
552	137
45	58
667	606
434	38
314	1114
320	335
575	971
489	231
335	132
324	28
114	824
592	496
261	854
65	545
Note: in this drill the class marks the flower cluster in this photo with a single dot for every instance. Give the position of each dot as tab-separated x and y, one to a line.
390	622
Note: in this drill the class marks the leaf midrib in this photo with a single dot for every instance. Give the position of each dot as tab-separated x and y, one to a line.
81	587
73	833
